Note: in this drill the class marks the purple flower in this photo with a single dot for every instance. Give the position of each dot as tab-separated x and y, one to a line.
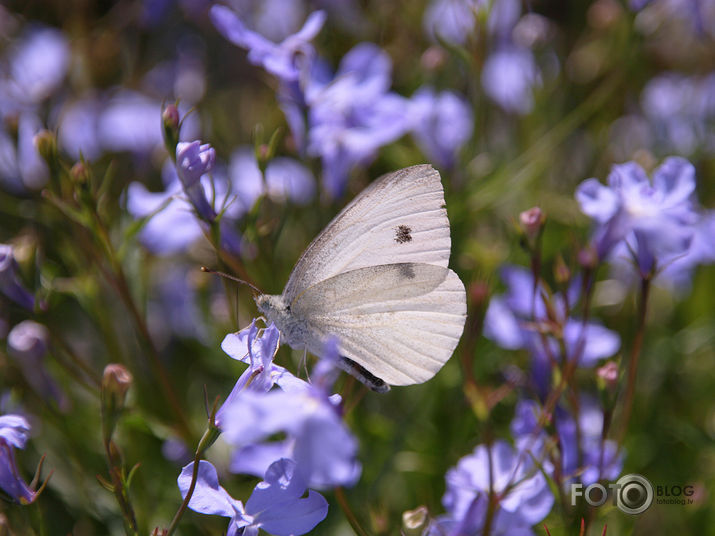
520	319
14	430
315	436
680	110
599	459
281	59
10	283
131	122
78	128
276	505
285	178
21	166
27	344
193	160
37	65
509	76
353	116
522	491
169	229
442	123
678	270
451	20
656	219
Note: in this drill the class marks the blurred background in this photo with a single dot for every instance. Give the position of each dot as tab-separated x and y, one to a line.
515	103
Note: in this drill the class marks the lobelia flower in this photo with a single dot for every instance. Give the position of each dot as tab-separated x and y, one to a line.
27	344
680	110
21	166
38	62
194	160
354	115
451	20
509	76
599	459
521	491
276	505
657	220
520	319
14	430
315	436
280	59
442	123
10	283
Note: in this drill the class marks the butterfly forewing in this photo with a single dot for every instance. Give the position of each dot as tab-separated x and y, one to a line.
399	218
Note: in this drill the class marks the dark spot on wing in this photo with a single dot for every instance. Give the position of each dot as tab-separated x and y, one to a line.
364	375
402	234
407	271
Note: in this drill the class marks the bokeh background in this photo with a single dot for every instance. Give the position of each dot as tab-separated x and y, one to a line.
514	102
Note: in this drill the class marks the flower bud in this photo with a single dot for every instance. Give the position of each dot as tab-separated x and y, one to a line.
588	257
532	221
562	274
80	173
116	381
46	144
608	374
170	127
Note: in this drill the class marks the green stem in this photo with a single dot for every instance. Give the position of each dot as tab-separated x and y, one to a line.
633	359
349	514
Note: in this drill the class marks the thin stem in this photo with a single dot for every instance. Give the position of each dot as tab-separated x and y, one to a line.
352	519
189	494
633	359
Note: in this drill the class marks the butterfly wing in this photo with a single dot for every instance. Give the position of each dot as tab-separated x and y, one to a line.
399	218
401	322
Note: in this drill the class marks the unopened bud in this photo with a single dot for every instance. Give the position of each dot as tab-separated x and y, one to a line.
608	374
116	381
532	221
414	522
46	144
170	127
79	173
588	257
562	274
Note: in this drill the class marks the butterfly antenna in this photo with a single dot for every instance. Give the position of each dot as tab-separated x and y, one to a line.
232	278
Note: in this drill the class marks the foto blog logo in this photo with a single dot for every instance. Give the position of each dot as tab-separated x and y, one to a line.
632	494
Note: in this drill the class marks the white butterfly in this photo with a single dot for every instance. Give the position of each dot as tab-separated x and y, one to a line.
377	278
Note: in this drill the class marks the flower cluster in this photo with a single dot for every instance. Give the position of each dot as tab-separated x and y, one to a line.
345	117
316	450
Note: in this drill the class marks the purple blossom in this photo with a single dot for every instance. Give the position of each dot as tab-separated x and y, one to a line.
680	110
353	116
130	121
21	166
193	160
522	492
655	219
281	59
276	505
451	20
314	435
168	230
14	430
38	63
520	319
441	124
285	178
27	344
10	283
509	77
600	459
